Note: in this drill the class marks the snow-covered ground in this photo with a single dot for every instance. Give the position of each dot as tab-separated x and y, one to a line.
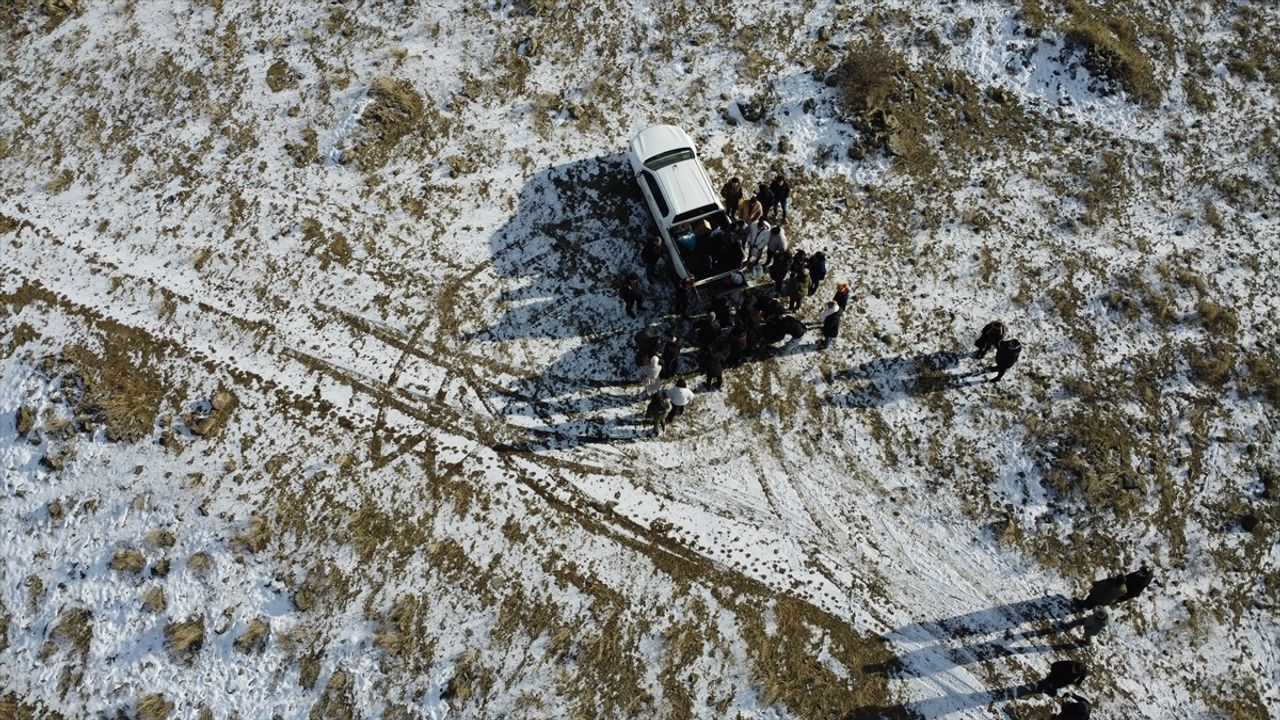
343	274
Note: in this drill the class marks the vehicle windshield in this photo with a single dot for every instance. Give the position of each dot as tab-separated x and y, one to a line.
694	214
670	157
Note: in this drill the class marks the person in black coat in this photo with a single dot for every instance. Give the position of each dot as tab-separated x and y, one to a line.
830	323
651	253
778	270
817	271
1135	582
685	295
781	190
1061	674
1007	353
671	357
1107	591
1074	707
632	295
713	366
765	196
992	334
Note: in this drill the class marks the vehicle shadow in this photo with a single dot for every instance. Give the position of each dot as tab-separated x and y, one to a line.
577	229
884	381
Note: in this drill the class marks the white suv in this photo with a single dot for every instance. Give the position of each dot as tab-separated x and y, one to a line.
681	198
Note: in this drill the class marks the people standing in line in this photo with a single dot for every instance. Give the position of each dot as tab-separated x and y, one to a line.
1136	582
651	254
632	295
657	410
777	243
750	210
778	268
1062	673
841	297
671	356
781	190
765	197
732	193
680	397
830	323
1074	707
1007	353
991	335
817	271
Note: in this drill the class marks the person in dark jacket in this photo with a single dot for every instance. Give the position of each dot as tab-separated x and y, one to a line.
992	333
722	311
830	324
732	194
1007	353
1135	582
778	270
739	340
841	297
817	271
632	296
1107	591
1074	707
657	410
765	196
713	366
1061	674
781	190
685	294
651	254
646	342
671	357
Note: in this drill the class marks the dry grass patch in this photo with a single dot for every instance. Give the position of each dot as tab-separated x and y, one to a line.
1110	45
335	701
255	538
184	639
120	388
406	635
129	560
153	599
255	637
154	707
394	111
74	629
785	666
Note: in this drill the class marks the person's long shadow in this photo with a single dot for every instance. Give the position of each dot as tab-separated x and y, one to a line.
886	380
942	706
939	653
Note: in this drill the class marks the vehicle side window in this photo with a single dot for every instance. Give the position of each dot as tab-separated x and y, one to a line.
658	200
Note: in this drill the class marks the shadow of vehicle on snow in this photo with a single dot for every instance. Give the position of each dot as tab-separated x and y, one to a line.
577	230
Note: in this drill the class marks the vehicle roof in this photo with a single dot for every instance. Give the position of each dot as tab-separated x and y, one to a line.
685	185
657	139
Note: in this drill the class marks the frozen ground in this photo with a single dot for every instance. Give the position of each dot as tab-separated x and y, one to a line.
308	327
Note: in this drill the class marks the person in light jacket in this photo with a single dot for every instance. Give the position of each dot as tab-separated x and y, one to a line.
680	397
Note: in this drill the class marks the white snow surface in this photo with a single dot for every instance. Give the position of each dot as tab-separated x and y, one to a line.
477	342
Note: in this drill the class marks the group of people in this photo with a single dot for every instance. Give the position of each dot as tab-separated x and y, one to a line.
1065	673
